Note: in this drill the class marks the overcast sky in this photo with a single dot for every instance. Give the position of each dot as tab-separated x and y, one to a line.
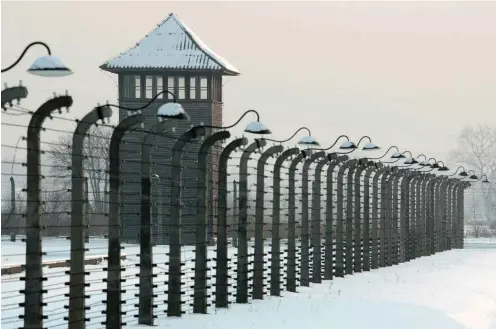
410	74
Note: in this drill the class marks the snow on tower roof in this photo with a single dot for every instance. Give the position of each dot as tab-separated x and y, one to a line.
171	46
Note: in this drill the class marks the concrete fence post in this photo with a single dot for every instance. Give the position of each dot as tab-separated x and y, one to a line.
233	232
86	211
358	240
316	218
291	258
77	306
305	247
222	273
457	220
275	268
258	261
377	213
174	303
242	277
405	216
431	216
349	219
114	279
33	291
422	237
13	208
442	191
201	240
394	218
366	217
330	218
449	211
411	245
384	218
145	312
340	217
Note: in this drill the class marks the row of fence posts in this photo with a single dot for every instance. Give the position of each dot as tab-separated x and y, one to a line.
428	219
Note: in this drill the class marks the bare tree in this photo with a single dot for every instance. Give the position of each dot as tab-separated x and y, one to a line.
477	150
95	150
54	210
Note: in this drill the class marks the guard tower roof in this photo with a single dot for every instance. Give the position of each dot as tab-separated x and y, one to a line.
170	46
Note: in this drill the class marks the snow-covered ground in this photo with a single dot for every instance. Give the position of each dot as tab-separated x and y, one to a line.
450	290
56	249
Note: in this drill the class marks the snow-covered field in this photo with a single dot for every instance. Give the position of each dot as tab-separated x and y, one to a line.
450	290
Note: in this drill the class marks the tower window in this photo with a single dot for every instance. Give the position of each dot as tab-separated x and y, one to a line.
171	86
192	88
160	86
203	88
137	86
181	88
149	87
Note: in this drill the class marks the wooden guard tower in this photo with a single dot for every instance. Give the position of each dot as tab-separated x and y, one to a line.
173	58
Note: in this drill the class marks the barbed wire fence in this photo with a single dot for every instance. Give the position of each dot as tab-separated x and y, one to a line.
104	226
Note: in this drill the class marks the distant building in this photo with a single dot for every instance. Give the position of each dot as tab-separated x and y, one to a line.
170	57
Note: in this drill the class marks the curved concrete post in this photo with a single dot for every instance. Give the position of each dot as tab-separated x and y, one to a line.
291	264
457	190
436	214
376	216
366	218
386	206
33	292
77	298
454	215
461	205
430	189
202	203
11	94
114	280
421	239
145	313
419	215
275	269
449	213
242	275
305	236
393	233
329	220
414	191
441	231
340	217
458	226
316	220
358	240
405	216
448	205
258	259
222	273
174	303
